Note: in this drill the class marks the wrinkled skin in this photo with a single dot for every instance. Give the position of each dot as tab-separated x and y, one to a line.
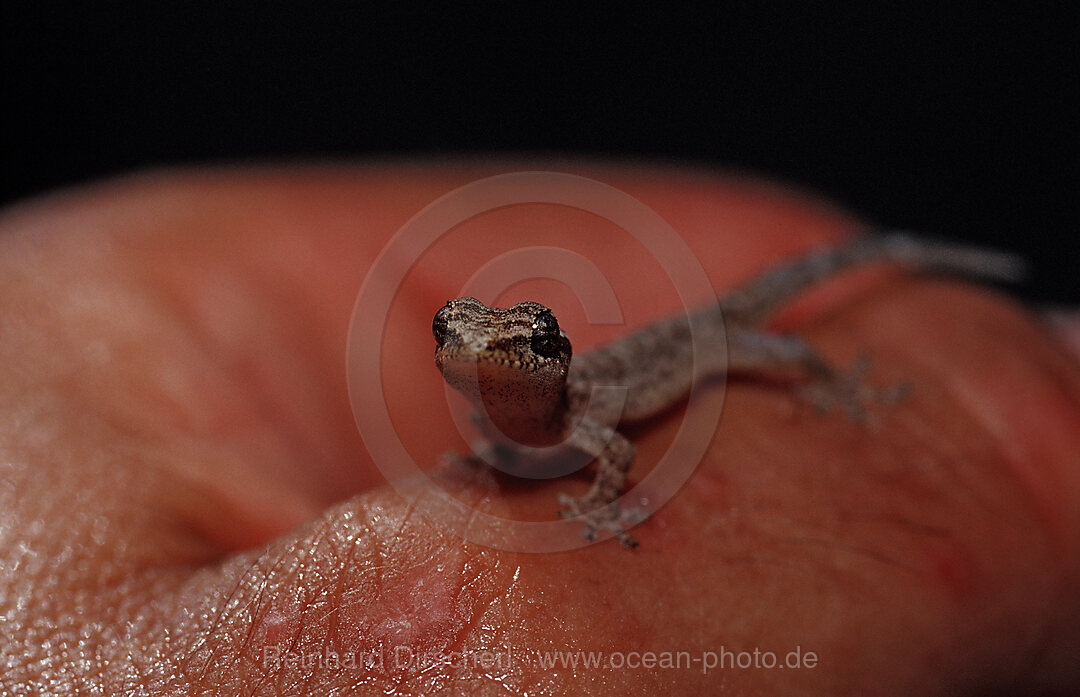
183	488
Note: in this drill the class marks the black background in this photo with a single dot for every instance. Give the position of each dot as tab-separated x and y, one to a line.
953	119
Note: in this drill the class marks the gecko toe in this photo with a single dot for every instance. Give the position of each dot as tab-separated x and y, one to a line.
571	507
850	392
610	517
633	516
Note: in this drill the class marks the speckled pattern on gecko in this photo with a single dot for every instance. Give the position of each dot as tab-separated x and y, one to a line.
516	365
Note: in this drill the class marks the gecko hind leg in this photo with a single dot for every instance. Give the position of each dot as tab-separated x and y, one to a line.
598	508
849	390
826	387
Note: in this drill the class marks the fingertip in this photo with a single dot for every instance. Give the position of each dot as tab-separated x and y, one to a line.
1066	324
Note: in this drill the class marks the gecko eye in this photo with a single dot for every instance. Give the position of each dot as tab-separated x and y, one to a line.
545	336
439	325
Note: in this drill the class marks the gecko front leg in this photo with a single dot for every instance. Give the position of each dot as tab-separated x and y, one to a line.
598	508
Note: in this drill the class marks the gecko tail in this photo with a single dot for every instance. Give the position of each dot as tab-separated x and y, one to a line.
944	257
760	297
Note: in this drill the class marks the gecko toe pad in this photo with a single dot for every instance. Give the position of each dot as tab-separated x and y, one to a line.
603	517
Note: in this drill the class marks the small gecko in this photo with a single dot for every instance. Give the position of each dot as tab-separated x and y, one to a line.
517	368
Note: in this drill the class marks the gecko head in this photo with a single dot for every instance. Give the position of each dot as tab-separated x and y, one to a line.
517	355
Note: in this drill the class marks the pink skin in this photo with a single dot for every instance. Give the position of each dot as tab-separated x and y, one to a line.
183	490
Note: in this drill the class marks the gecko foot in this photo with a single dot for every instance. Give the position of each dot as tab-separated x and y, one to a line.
603	517
849	391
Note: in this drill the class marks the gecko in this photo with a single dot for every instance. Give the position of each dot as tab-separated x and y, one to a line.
517	368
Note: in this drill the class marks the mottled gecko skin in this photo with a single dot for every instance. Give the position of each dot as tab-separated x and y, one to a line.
515	365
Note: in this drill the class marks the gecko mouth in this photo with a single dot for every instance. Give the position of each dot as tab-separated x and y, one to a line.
468	360
476	373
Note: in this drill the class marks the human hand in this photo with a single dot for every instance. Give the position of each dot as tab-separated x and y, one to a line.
186	506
